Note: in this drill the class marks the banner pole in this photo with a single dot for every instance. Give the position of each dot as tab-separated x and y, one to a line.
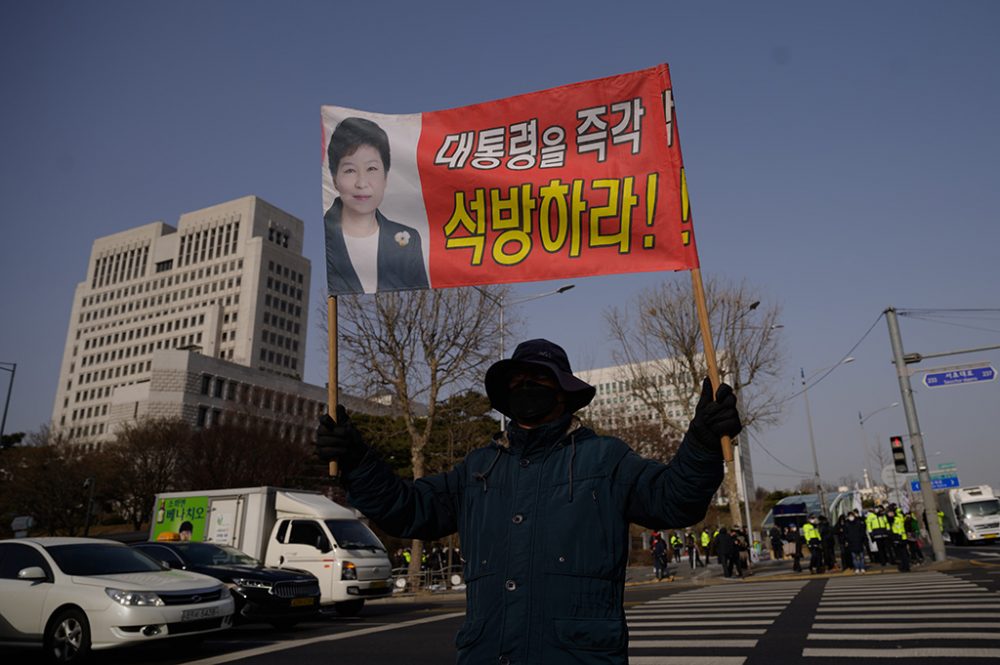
331	384
706	338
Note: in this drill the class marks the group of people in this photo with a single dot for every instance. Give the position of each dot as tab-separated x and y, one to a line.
887	535
730	547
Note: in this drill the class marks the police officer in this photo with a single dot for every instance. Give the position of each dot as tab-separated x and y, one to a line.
898	539
814	541
878	531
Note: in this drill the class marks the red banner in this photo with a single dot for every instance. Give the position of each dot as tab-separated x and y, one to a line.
585	179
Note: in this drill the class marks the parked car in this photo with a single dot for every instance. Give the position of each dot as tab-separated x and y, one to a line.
279	596
76	594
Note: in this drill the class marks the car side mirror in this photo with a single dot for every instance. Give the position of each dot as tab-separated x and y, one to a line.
33	573
322	544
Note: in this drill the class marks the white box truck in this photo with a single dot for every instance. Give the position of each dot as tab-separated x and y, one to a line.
286	529
970	513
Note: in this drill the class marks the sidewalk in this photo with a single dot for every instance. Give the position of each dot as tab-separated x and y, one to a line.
769	570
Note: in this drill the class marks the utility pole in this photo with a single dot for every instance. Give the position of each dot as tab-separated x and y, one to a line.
916	438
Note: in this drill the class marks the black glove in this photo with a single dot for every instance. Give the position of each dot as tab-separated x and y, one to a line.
716	418
340	441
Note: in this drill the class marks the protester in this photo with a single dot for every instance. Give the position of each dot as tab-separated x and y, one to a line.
660	556
542	511
794	536
855	538
777	544
694	558
725	547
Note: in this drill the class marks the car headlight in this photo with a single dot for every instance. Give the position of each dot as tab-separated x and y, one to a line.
132	598
248	583
348	571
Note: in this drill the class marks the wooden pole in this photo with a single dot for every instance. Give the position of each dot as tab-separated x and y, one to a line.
706	338
331	384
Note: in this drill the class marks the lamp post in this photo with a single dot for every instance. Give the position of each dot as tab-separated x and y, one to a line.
500	302
812	438
7	367
862	419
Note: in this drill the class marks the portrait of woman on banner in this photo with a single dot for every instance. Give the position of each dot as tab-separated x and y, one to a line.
365	251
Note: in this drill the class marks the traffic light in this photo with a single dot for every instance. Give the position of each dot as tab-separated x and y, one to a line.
898	453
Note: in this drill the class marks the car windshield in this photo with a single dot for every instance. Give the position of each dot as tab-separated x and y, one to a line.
99	559
982	508
208	554
352	534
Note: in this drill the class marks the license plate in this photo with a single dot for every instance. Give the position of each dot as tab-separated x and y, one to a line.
199	613
989	535
302	602
379	584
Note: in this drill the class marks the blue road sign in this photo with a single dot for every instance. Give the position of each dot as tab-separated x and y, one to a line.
957	376
938	482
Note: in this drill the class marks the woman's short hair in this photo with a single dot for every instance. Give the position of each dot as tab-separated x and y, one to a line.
352	133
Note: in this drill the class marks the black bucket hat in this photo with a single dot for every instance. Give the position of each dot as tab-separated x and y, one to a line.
537	353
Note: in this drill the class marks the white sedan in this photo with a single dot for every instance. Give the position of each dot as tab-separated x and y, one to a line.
77	594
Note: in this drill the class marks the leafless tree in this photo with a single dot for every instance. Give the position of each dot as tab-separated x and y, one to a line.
46	480
414	349
658	340
145	459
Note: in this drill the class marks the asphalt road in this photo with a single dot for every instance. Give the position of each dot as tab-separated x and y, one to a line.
950	615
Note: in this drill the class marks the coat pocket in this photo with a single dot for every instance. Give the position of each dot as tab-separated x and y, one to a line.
590	634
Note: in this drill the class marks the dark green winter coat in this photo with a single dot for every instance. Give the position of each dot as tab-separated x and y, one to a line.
544	535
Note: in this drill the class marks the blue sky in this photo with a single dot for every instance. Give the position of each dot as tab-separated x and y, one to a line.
841	158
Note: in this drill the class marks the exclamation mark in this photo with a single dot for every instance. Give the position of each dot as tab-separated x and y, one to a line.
649	240
685	210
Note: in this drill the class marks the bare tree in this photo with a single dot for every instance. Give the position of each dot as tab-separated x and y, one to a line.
144	459
415	349
46	480
658	341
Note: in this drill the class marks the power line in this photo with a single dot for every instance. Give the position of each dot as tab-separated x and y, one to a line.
839	362
952	323
769	454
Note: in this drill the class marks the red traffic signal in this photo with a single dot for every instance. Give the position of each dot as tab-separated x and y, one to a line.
898	454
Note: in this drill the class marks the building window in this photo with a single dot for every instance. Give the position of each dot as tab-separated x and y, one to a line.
206	383
202	416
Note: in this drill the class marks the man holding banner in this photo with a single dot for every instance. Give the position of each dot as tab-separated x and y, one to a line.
581	180
542	511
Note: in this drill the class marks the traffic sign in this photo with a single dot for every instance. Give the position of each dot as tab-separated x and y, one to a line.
939	481
945	466
951	376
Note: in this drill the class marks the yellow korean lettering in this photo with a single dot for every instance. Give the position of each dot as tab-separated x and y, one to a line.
470	216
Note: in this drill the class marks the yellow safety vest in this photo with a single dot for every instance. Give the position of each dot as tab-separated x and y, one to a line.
705	539
899	527
810	532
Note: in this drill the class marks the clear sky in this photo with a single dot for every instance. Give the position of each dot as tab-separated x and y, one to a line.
841	157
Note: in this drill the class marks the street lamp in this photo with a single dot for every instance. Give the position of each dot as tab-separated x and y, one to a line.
812	438
862	419
7	367
499	302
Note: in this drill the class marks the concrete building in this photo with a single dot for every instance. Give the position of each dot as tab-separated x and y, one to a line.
228	285
618	403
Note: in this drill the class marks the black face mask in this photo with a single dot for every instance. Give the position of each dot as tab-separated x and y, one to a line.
530	402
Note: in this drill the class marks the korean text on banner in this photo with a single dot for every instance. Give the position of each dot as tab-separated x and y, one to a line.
585	179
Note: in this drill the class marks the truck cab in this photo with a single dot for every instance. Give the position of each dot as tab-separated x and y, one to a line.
327	540
972	514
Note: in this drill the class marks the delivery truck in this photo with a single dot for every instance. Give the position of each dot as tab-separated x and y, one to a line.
287	529
971	513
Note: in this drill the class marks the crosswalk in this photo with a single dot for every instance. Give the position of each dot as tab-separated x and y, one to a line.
725	620
918	617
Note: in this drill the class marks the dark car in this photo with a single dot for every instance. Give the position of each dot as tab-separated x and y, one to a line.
278	596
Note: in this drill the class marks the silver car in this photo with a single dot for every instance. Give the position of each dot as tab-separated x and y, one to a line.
76	594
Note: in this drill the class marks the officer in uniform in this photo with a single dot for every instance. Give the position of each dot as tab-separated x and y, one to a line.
810	533
898	538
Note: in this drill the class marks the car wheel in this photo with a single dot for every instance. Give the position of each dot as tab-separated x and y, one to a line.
349	608
67	638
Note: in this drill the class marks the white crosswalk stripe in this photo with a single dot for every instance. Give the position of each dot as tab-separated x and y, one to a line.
869	619
711	626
